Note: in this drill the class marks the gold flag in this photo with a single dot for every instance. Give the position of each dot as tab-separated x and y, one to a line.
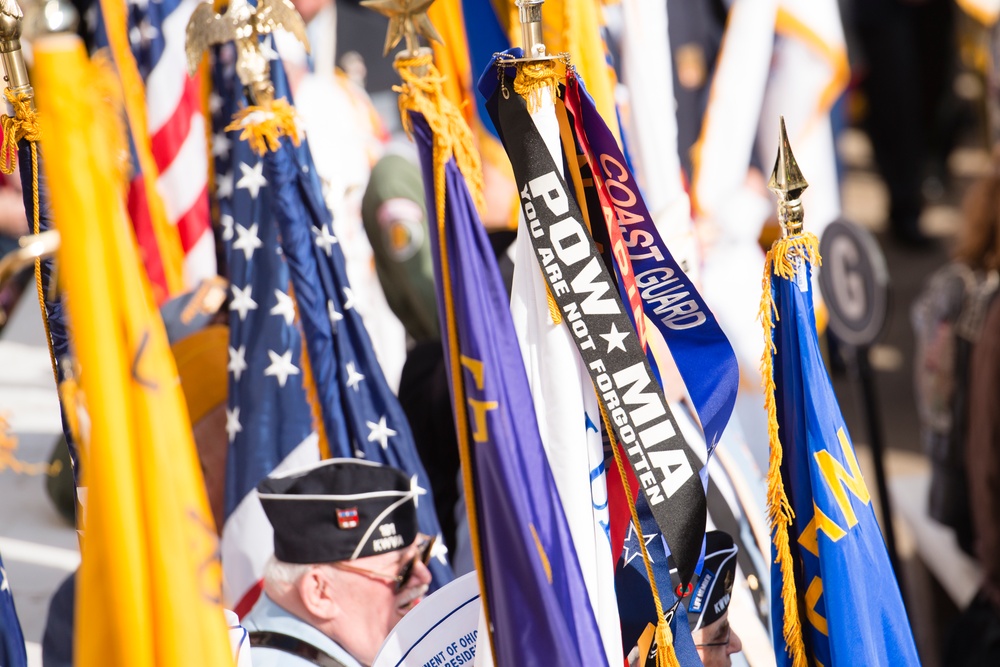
149	585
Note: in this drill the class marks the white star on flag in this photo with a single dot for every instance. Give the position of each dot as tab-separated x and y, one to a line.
358	454
285	307
324	239
220	144
247	241
267	50
281	366
331	310
252	178
242	303
354	378
214	103
440	550
348	298
224	186
380	432
615	338
226	221
415	488
631	554
237	361
233	423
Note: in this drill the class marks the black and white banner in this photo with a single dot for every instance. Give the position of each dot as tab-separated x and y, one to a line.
663	461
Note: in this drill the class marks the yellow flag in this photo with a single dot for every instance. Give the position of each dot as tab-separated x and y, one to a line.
149	586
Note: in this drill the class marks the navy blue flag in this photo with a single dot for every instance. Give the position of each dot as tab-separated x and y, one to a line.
361	417
830	560
535	593
12	651
268	419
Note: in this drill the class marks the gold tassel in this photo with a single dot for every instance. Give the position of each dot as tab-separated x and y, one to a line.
22	125
532	79
553	306
783	260
666	656
422	92
263	125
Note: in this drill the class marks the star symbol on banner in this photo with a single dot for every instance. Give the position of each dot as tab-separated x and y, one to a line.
237	361
331	310
220	144
4	584
252	178
226	221
380	432
440	550
285	307
242	302
324	239
415	487
281	366
267	49
233	423
248	240
348	298
224	186
214	103
143	33
358	454
631	554
615	338
354	378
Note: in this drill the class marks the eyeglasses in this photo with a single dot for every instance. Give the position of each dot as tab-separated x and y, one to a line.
423	555
729	636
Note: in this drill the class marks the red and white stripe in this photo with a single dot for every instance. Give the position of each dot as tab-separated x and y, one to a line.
178	137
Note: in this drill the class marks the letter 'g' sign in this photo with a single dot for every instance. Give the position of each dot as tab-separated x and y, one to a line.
854	282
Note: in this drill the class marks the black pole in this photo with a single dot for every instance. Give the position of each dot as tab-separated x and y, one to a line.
866	380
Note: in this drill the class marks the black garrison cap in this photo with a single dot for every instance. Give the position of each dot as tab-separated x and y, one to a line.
339	509
711	595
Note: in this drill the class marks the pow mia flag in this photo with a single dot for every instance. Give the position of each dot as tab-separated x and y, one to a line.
664	463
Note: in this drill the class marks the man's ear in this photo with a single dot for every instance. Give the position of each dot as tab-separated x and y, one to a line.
317	594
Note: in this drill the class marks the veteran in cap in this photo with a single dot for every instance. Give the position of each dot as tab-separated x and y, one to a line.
708	607
348	564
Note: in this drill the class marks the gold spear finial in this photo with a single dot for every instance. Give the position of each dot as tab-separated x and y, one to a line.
16	74
407	18
243	24
788	183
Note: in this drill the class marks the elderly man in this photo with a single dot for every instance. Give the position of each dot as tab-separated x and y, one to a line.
348	564
708	609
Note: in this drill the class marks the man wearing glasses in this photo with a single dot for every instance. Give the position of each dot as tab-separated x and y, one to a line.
708	608
348	564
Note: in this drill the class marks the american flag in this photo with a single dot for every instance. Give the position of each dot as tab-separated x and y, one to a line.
268	420
174	135
361	416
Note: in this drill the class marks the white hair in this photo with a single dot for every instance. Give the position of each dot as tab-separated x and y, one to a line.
280	574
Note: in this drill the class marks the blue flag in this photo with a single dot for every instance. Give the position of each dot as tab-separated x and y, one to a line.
835	568
268	420
12	651
361	416
535	593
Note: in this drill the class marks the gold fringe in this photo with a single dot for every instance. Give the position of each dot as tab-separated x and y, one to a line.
309	383
422	92
8	455
22	125
665	654
532	79
263	125
783	260
553	306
